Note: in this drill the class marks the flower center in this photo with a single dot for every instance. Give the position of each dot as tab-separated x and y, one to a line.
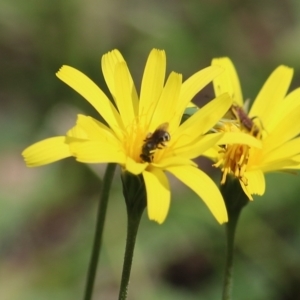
133	139
234	161
234	158
141	145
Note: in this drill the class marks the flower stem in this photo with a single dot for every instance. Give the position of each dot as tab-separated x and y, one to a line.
106	185
235	200
134	192
230	234
133	222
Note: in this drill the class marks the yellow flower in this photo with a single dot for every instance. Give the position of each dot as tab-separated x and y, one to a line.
143	134
273	119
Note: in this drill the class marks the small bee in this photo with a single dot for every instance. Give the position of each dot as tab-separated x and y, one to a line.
244	120
153	141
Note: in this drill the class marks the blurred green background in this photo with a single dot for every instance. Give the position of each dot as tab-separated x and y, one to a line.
47	214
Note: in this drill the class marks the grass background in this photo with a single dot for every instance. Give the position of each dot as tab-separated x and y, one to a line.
47	214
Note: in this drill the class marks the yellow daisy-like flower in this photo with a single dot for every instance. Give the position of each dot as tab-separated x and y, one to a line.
273	119
143	134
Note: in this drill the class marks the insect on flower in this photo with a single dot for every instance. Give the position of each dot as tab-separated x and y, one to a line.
245	121
153	141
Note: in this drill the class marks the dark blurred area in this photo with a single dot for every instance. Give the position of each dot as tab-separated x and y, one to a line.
47	214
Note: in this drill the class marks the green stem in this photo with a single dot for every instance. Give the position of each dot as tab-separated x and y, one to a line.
133	222
230	234
106	185
235	200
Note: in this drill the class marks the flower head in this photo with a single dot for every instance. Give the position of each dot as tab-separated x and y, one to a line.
142	133
273	119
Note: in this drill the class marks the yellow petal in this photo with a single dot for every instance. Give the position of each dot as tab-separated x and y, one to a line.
192	105
239	138
158	194
108	65
152	83
273	91
46	151
256	182
125	92
227	81
203	120
212	153
97	152
285	107
289	163
297	158
95	130
195	149
93	94
195	84
204	187
246	190
133	167
286	151
77	132
173	161
284	131
167	103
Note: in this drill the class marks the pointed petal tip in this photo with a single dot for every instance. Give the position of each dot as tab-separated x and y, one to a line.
286	68
158	53
113	52
217	60
221	217
157	216
62	69
223	221
159	221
